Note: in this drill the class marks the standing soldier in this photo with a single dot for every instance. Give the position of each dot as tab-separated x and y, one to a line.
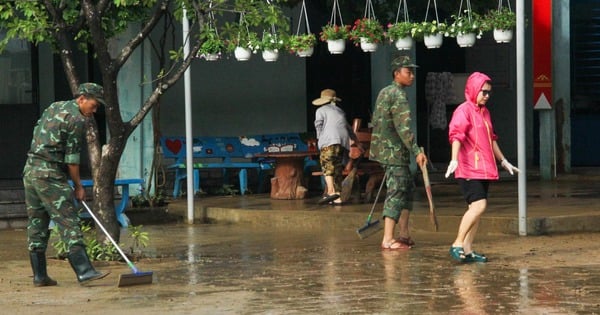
392	144
54	153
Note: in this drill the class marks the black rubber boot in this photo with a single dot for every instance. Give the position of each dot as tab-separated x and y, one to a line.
38	265
83	267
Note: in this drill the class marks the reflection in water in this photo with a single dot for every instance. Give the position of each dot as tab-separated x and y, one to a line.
191	256
465	284
523	289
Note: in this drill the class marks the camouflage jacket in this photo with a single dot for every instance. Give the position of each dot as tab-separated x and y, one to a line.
57	139
392	140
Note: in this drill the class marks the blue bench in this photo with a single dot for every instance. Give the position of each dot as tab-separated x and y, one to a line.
227	153
120	208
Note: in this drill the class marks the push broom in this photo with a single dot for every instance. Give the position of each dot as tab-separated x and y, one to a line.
371	228
135	278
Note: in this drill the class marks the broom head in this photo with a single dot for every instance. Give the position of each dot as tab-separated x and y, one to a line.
136	278
370	228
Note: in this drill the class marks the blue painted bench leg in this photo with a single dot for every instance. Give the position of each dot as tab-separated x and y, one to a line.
243	175
120	210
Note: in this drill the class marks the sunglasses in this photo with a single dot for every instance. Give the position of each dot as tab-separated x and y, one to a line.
486	92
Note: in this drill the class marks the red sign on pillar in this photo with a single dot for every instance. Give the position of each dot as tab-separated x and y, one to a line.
542	54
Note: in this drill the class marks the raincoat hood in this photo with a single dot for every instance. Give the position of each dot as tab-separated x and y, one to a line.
474	84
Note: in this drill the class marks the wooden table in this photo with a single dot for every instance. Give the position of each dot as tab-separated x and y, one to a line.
289	173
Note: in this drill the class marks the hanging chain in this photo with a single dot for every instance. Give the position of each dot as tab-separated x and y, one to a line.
402	4
507	4
335	12
369	11
437	19
303	13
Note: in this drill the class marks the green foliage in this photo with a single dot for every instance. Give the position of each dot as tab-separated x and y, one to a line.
101	251
400	30
469	22
429	28
211	42
367	28
503	19
334	32
270	41
301	42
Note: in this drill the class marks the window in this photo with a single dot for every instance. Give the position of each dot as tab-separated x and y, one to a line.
15	71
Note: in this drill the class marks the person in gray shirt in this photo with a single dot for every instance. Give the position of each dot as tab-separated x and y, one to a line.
333	135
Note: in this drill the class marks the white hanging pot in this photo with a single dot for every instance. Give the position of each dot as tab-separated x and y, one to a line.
336	46
434	40
367	46
466	40
242	54
503	36
211	57
270	55
305	52
404	43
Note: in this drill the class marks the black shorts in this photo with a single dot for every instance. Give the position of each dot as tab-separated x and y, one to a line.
474	189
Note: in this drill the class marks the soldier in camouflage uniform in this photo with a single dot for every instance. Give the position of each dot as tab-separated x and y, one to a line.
392	144
54	154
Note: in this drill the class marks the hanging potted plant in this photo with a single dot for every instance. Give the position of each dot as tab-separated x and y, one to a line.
302	45
212	45
243	45
335	36
270	45
401	34
368	33
502	22
432	33
466	28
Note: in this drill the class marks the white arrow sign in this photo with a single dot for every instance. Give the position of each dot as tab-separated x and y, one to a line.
542	103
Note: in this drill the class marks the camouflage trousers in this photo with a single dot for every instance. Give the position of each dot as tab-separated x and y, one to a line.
50	199
400	187
331	159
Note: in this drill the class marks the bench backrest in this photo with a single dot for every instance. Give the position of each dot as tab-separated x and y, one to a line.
227	148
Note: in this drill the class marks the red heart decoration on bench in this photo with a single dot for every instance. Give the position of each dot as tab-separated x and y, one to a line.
173	145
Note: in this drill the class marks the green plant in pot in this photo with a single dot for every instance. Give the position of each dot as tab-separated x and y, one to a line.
212	44
271	41
301	42
503	19
400	30
366	29
469	22
502	22
334	32
426	28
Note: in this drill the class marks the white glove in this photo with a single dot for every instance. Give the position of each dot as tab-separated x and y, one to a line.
451	167
509	167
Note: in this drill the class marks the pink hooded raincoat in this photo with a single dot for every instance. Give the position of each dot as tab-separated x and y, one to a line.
471	125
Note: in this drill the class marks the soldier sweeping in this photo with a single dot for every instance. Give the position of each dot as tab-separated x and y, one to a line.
53	158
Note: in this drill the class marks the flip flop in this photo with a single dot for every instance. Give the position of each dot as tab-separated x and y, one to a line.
389	246
475	257
328	198
406	241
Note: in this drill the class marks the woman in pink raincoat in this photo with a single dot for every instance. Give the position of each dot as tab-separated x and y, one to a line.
474	155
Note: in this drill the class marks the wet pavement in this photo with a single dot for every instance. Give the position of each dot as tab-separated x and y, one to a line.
293	257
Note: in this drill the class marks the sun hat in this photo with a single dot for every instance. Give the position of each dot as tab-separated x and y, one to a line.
94	90
327	96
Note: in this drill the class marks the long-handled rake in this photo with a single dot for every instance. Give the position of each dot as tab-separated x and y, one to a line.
432	216
135	278
371	228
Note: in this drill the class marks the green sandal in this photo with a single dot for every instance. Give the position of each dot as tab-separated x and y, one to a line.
457	254
475	257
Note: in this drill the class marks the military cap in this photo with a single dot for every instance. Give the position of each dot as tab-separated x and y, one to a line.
94	90
402	62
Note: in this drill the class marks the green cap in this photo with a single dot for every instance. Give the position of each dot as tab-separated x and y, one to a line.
94	90
402	62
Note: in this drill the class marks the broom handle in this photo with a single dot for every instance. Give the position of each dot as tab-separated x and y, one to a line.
376	197
109	237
